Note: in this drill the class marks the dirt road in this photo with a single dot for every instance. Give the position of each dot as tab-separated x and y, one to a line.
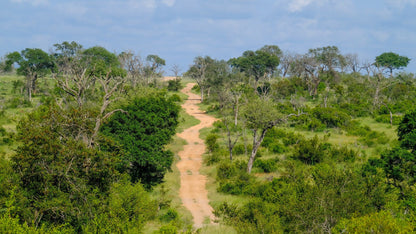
193	191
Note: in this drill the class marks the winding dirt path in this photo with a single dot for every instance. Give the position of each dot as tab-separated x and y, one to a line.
192	191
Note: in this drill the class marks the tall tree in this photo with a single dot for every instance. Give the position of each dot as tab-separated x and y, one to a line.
198	72
259	64
154	68
33	64
59	177
391	61
143	130
134	66
260	115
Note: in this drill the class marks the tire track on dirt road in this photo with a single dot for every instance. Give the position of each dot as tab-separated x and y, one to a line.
193	190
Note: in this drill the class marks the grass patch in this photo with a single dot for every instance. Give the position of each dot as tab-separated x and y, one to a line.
169	190
186	121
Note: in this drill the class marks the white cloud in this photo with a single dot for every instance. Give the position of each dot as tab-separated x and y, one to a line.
299	5
402	3
33	2
137	4
168	3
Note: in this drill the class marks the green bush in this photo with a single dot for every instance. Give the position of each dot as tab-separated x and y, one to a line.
343	154
277	148
174	85
226	170
18	102
267	166
386	119
331	117
379	222
175	98
170	215
240	184
239	149
311	151
292	138
211	142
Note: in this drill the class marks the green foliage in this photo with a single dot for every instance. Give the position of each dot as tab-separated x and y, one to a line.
407	131
399	165
18	102
386	119
254	217
59	177
211	142
102	63
310	151
331	117
130	206
343	154
234	179
174	85
378	222
256	63
266	165
170	215
391	61
143	130
32	62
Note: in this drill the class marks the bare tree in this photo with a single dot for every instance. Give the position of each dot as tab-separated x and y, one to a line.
176	70
198	72
352	63
134	66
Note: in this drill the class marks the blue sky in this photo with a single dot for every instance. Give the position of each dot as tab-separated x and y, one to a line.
180	30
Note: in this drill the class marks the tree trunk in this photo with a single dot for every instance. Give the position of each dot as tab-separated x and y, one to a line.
256	146
236	113
29	88
202	93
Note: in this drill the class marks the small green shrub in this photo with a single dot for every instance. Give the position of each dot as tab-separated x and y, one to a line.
277	148
267	166
343	154
174	85
386	119
211	142
18	102
239	149
226	170
170	215
311	151
168	229
331	117
175	98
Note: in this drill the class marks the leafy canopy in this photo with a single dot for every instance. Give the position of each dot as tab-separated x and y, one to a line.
32	62
391	61
143	131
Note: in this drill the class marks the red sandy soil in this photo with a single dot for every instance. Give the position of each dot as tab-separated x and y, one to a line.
193	192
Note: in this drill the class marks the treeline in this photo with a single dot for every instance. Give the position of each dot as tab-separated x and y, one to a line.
92	146
292	144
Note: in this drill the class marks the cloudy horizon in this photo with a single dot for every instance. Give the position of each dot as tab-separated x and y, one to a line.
180	30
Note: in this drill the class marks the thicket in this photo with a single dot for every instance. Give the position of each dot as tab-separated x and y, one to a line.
325	156
305	141
82	143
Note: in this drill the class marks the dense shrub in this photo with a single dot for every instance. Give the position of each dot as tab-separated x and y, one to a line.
211	142
331	117
378	222
386	119
310	151
174	85
18	102
266	165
